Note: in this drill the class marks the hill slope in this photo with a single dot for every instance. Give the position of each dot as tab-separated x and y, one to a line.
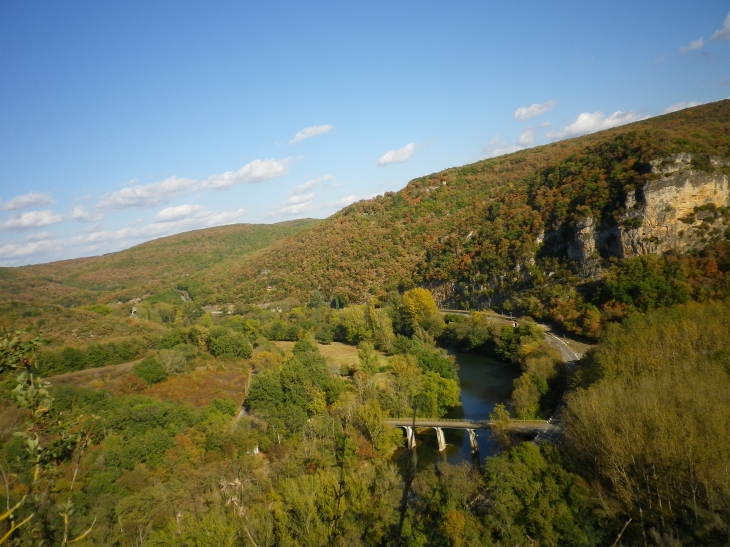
500	225
53	293
156	261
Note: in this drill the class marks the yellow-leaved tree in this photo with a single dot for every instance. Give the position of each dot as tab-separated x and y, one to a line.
421	311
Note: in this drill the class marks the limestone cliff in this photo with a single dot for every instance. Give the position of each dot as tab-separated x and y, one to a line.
680	209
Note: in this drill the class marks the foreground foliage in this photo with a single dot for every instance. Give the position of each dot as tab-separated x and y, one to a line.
652	427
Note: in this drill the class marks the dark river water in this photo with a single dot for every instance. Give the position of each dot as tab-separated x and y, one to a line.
484	383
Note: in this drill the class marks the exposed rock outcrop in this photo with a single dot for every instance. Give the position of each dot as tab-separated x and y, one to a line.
677	210
672	209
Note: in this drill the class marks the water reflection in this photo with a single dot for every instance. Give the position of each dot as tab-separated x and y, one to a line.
484	383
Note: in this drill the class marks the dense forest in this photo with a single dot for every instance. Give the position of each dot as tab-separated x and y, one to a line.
232	386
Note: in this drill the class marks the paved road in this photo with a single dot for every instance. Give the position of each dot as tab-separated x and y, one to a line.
557	420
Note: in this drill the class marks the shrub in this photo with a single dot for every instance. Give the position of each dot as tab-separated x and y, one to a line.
232	344
151	371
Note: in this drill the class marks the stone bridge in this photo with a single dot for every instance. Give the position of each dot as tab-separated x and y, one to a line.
409	425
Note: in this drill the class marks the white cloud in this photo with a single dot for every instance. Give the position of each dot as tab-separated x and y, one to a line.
309	185
31	219
176	213
534	110
309	132
227	217
39	236
256	171
301	198
590	122
31	199
679	106
398	156
17	250
527	138
289	210
79	212
692	46
497	147
197	218
149	195
344	202
724	32
299	205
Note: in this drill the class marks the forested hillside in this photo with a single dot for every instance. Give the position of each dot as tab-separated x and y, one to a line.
477	233
147	266
69	301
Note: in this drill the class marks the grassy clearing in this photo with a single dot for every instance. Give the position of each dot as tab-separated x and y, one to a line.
102	377
336	354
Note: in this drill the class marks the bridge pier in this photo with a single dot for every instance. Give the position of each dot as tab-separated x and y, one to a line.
440	438
473	441
410	437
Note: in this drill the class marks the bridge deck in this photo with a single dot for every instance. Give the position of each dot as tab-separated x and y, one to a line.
450	423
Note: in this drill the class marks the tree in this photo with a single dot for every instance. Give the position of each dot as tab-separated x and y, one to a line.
368	358
500	419
381	326
231	344
316	300
339	301
421	311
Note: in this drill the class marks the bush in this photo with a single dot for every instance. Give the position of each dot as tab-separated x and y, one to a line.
232	344
151	371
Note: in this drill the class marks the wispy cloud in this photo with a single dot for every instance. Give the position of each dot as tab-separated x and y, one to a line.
590	122
31	199
150	195
534	110
147	195
347	200
497	147
176	213
309	132
398	156
300	205
256	171
31	219
39	236
309	185
527	137
693	46
300	198
12	251
81	213
169	221
679	106
724	32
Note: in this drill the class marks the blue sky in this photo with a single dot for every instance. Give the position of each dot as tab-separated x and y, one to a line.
127	121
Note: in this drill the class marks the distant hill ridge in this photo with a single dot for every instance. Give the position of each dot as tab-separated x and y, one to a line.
142	267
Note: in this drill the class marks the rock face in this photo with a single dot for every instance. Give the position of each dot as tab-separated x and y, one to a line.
683	208
677	210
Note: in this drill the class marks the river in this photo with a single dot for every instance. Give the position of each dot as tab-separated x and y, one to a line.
484	383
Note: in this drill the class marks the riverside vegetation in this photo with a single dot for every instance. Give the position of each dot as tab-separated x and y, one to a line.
139	438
